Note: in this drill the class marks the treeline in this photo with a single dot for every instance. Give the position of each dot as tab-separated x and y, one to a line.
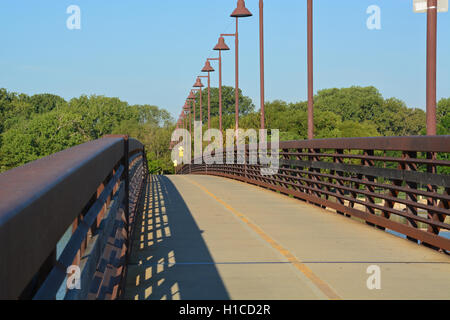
347	112
32	127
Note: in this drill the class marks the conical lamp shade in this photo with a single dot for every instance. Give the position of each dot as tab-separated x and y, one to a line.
221	45
198	83
207	67
241	11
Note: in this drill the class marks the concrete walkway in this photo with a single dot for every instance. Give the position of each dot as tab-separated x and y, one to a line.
202	237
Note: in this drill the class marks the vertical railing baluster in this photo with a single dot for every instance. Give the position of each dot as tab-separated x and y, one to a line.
411	196
369	199
298	169
339	161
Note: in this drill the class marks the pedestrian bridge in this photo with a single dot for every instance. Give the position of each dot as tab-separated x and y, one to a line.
342	219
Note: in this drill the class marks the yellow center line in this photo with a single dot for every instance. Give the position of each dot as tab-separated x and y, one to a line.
319	283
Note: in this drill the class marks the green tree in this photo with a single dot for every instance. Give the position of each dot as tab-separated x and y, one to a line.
444	125
354	103
40	125
36	126
398	120
246	105
351	129
46	102
42	135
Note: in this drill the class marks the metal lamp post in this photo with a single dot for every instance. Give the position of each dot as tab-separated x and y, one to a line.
209	98
261	62
198	84
310	72
431	66
191	98
187	109
431	7
207	68
220	46
182	120
240	12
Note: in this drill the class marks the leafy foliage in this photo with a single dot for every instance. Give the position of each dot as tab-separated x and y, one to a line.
246	105
347	112
37	126
32	127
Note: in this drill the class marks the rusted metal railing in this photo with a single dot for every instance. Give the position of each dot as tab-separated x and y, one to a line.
92	190
395	183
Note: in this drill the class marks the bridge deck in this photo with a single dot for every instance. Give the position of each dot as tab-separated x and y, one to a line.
202	237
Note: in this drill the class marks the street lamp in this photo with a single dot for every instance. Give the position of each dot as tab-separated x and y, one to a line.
198	84
201	92
310	72
207	68
240	12
193	99
261	61
220	46
187	109
179	126
431	7
183	120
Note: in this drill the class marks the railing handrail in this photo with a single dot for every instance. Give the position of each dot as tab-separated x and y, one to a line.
40	200
410	143
407	143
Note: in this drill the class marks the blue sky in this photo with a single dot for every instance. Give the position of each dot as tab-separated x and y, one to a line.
149	52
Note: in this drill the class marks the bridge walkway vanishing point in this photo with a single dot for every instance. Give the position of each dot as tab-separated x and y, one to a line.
205	237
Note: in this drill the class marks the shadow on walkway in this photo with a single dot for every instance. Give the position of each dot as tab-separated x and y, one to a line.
169	258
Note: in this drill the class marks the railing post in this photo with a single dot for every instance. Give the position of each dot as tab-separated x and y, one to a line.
411	196
365	162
